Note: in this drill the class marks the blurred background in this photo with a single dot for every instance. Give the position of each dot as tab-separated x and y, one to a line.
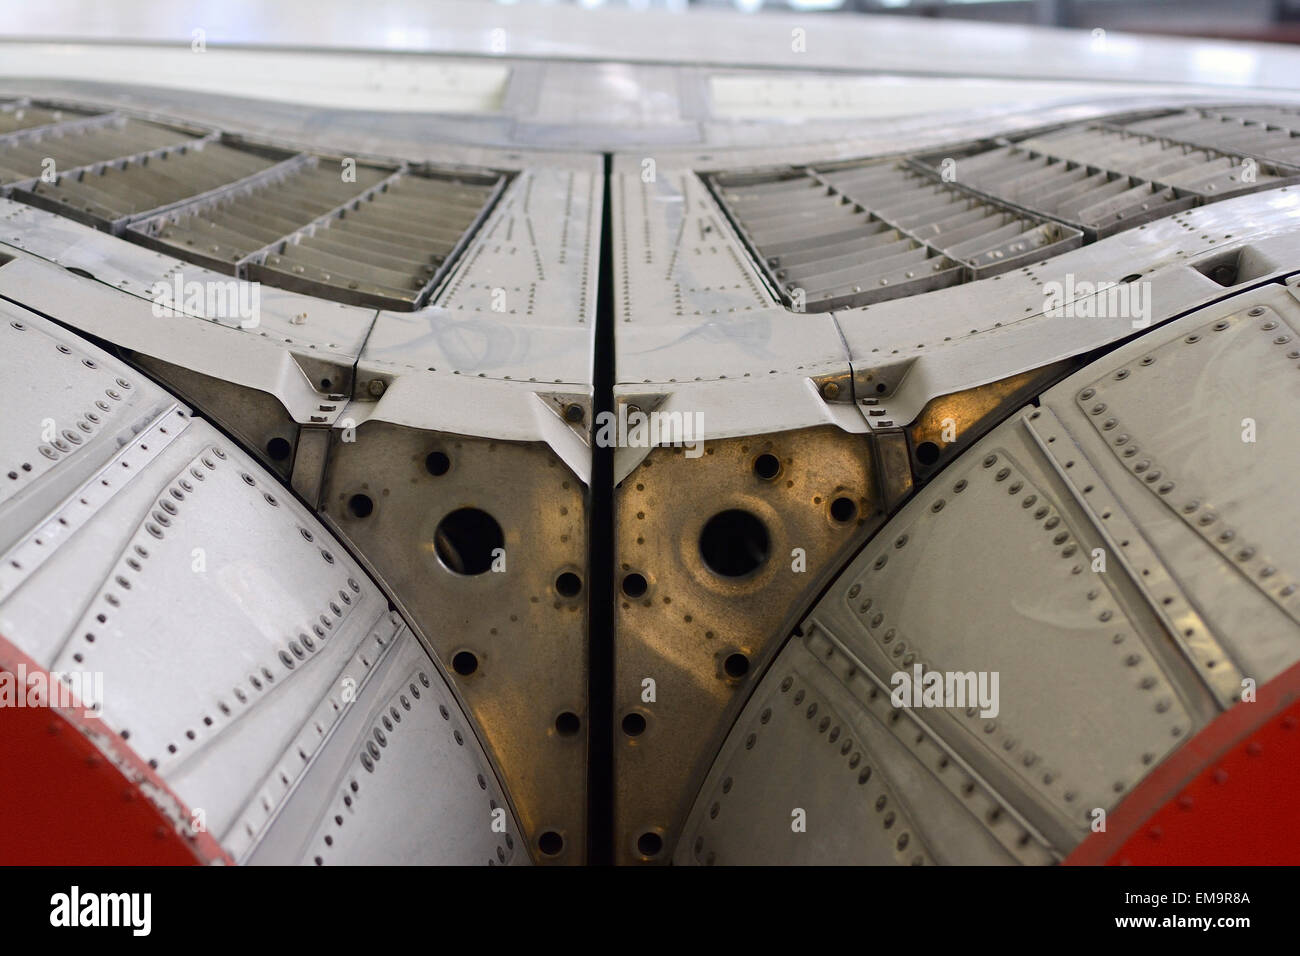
1276	21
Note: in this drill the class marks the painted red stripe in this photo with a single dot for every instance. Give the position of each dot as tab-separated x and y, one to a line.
1230	796
73	793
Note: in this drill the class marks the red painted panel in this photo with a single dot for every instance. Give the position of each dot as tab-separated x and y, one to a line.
1229	796
71	791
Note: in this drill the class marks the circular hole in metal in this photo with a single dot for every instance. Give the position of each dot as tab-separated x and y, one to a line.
634	585
736	665
634	725
568	584
567	724
465	541
844	510
279	449
437	463
464	663
649	844
734	543
550	843
767	467
927	453
360	506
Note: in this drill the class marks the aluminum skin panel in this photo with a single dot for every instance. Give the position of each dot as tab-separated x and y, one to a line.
239	648
1116	555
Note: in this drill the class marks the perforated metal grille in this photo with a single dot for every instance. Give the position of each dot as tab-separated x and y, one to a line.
1266	132
843	235
860	233
390	247
66	148
238	223
108	195
25	114
366	233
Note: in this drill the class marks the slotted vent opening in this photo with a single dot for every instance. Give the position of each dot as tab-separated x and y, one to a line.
389	247
34	160
1269	133
365	233
842	235
26	114
852	234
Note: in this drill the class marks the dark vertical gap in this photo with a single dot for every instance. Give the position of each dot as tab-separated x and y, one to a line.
600	675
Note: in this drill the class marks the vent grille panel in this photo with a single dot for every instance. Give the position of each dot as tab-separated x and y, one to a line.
23	115
1206	172
1268	133
73	146
110	194
847	234
844	236
383	238
391	248
238	224
1093	199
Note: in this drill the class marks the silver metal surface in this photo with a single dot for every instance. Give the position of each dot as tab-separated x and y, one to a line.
508	340
873	788
851	235
400	411
982	331
1109	589
242	652
506	616
877	43
398	777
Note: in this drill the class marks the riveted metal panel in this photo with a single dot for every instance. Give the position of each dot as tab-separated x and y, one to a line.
310	328
268	586
242	651
874	786
397	776
847	235
513	323
697	325
68	430
1116	618
715	556
1127	544
987	330
1167	422
484	545
995	538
